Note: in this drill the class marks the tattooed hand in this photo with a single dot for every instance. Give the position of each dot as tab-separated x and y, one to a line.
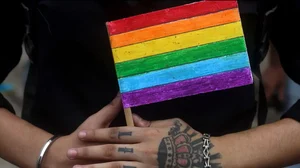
163	144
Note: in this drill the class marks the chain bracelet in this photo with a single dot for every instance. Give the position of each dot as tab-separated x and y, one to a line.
206	153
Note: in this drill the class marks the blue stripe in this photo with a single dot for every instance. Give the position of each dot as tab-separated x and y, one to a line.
184	72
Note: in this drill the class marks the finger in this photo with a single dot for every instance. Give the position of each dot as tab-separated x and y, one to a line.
111	152
113	135
105	116
117	165
164	123
140	122
124	135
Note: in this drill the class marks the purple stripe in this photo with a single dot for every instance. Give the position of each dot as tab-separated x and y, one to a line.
185	88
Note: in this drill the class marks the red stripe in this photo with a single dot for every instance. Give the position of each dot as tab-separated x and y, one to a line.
168	15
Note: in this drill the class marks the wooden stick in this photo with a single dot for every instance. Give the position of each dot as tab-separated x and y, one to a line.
128	116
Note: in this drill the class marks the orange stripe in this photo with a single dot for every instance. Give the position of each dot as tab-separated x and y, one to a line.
173	28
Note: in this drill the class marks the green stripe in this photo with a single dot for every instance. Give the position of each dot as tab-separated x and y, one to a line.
176	58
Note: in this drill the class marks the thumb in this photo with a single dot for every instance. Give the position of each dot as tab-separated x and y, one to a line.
105	116
140	122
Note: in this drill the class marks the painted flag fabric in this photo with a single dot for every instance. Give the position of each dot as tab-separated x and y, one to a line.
180	51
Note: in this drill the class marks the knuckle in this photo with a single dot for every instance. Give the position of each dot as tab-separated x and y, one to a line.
152	132
112	105
113	133
178	120
147	151
170	122
150	152
84	152
91	134
109	151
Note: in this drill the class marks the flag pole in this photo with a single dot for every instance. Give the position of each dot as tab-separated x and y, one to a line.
128	116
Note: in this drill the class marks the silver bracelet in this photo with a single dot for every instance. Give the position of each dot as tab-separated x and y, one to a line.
44	150
206	154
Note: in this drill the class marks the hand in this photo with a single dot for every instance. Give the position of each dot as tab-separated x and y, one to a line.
56	156
163	144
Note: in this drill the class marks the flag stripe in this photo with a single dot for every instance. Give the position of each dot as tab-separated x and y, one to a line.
221	81
184	72
176	58
177	42
167	15
177	27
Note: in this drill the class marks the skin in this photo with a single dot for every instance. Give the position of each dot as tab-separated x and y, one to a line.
23	141
274	145
95	145
274	77
147	147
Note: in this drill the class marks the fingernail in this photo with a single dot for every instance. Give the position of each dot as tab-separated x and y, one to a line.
72	153
82	134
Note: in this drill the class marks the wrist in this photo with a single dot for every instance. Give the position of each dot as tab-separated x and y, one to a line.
55	154
219	147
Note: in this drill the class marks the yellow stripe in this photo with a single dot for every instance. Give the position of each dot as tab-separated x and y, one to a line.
177	42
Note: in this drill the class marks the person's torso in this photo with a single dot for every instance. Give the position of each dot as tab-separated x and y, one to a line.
75	76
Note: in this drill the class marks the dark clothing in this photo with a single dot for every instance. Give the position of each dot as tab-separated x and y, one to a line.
284	30
294	112
248	6
14	28
72	75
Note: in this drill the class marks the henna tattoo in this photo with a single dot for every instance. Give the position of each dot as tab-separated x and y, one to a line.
124	134
125	150
183	149
129	167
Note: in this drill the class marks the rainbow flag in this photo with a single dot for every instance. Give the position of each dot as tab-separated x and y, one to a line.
180	51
